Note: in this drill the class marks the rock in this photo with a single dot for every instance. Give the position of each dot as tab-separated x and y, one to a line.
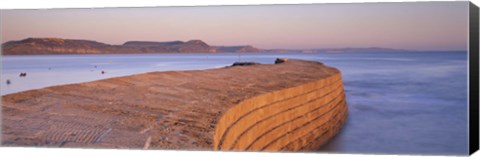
244	63
280	60
23	75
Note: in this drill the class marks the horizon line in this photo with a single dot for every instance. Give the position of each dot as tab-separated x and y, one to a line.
324	48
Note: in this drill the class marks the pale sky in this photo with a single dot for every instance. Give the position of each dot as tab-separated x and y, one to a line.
414	25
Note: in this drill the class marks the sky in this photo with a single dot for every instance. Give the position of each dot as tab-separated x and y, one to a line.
411	25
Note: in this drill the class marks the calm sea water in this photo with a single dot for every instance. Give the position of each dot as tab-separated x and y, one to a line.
406	103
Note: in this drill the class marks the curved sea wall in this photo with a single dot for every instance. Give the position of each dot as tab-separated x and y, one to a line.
291	105
298	118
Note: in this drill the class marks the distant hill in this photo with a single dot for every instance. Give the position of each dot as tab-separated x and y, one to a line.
246	48
57	46
341	50
172	46
369	49
70	46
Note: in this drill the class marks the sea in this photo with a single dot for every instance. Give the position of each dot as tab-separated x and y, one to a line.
398	103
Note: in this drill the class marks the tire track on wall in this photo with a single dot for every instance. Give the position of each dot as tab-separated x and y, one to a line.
62	132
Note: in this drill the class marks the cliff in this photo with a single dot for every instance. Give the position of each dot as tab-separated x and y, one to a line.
70	46
294	105
57	46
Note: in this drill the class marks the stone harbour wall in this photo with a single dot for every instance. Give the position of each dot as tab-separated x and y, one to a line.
293	119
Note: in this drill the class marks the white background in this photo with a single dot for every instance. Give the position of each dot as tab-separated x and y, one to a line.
42	4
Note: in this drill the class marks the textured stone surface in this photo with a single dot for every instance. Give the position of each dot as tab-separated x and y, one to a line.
292	119
184	110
